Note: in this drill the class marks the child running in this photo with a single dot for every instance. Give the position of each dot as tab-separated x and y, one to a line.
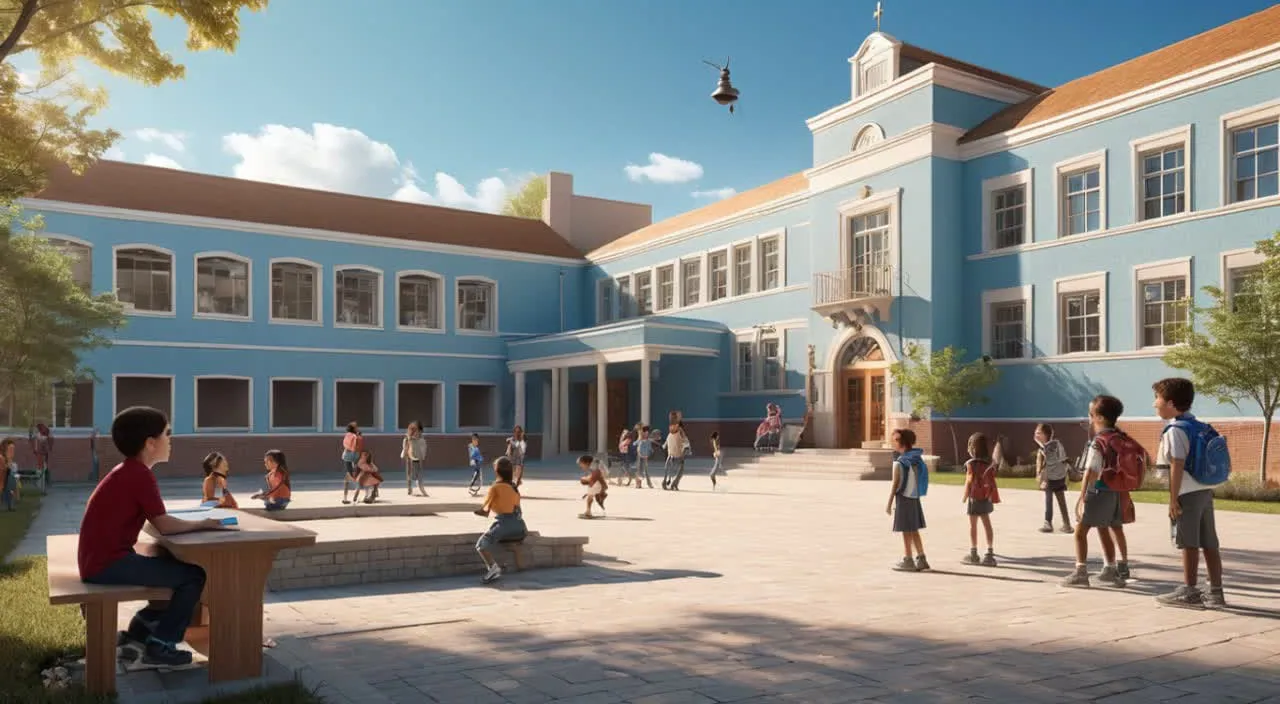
503	500
413	450
215	482
981	495
1051	474
910	482
476	460
279	490
594	479
715	453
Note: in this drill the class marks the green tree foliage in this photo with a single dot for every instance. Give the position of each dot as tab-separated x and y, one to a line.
47	321
943	383
46	117
1234	356
527	202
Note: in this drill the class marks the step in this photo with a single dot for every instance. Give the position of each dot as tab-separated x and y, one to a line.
868	474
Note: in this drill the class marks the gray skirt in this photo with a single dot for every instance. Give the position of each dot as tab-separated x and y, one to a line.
908	516
980	507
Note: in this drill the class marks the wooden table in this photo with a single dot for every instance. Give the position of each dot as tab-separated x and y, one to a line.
237	563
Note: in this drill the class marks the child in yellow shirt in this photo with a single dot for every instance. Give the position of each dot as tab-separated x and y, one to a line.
508	524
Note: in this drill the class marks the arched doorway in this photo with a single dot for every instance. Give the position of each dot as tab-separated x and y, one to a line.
861	393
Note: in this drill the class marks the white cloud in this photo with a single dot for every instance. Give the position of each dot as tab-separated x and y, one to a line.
173	140
334	158
715	193
665	169
26	80
113	154
162	161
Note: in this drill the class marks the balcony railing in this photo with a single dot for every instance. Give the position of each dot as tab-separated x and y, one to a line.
857	283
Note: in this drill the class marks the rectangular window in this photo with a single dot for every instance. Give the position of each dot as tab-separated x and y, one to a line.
358	302
80	259
358	402
1082	201
223	404
874	75
666	287
626	302
1164	311
1082	322
153	391
293	292
222	286
871	267
742	270
144	280
477	405
1008	330
419	302
1164	182
420	402
771	363
718	275
295	403
745	366
73	405
476	305
1255	171
644	293
691	292
604	301
1009	211
1239	286
770	263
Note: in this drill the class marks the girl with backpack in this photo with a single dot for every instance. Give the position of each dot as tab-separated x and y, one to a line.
1051	474
981	495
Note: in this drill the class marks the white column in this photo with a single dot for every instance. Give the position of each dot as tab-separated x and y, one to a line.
602	409
552	436
646	371
562	424
520	399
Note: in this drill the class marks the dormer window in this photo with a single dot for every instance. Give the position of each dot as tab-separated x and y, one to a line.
875	74
876	64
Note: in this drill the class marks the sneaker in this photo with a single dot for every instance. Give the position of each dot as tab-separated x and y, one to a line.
971	558
161	654
1183	597
1066	528
1047	527
989	560
1078	579
494	573
1122	569
922	564
1213	599
1110	576
906	564
346	501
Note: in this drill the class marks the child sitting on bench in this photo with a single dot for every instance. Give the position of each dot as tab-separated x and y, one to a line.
508	524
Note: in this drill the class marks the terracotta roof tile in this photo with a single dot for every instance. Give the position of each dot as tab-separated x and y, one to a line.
117	184
924	56
781	188
1256	31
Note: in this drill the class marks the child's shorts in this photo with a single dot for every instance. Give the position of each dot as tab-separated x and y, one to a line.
1196	529
980	507
507	526
1102	509
908	516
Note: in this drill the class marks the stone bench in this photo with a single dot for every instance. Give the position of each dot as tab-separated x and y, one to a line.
361	510
331	563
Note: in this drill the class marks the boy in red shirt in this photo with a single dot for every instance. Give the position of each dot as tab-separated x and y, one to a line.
113	518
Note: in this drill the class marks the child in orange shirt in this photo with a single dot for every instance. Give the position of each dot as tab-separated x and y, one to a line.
215	481
279	491
369	477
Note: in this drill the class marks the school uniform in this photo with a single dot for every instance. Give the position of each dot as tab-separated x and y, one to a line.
908	514
1102	506
1195	528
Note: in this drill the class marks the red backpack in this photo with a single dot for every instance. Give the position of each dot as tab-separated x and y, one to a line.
984	481
1124	461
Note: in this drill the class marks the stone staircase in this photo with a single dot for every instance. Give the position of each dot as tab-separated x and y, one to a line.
811	463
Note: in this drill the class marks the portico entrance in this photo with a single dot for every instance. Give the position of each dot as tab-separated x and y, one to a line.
860	391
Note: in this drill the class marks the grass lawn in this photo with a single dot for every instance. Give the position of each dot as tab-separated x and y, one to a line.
1141	497
33	634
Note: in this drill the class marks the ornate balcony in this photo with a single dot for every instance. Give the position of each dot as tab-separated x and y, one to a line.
855	295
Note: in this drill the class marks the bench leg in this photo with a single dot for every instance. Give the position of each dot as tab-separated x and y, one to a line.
101	620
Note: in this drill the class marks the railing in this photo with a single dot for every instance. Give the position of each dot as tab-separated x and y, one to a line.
852	284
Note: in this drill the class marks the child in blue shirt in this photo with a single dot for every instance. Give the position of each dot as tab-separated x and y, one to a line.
644	450
476	460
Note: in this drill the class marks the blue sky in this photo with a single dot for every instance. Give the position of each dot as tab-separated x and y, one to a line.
485	91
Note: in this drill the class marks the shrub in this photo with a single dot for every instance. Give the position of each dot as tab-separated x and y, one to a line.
1241	487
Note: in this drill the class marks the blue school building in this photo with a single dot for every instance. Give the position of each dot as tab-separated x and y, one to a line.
262	315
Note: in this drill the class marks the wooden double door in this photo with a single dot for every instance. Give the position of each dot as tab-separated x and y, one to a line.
862	406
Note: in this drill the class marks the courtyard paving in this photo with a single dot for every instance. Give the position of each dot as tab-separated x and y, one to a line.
773	590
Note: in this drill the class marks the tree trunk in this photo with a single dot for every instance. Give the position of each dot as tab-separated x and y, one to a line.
19	27
955	443
1266	440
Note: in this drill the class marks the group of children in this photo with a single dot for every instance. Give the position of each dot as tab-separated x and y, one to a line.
1192	452
638	446
215	494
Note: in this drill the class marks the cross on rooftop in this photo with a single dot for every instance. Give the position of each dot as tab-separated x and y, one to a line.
878	14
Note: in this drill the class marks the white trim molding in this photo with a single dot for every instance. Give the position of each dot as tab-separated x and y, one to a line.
1070	167
195	403
495	404
493	306
1080	283
184	344
317	292
1176	137
1236	259
933	139
173	278
195	286
317	406
380	405
873	133
440	307
889	199
1014	294
173	392
439	427
995	184
1177	268
1251	116
634	353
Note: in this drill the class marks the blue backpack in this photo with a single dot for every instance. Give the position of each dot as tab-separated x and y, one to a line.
1208	460
915	458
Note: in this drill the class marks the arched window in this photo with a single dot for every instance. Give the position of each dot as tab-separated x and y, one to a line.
81	256
144	278
867	136
357	293
477	305
295	291
222	285
419	300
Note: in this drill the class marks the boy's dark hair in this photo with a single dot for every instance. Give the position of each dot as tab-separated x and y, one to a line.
979	446
352	427
504	469
282	465
1176	390
586	460
211	461
646	428
1046	429
475	436
906	437
4	445
715	435
134	426
1108	407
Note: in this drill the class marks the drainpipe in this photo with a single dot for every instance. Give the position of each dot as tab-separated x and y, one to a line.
562	300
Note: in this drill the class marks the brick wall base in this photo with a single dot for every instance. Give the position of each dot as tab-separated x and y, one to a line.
733	433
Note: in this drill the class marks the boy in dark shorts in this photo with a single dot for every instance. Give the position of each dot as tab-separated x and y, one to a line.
1098	506
113	518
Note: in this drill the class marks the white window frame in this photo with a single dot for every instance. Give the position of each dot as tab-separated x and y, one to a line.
496	406
752	276
317	295
1228	123
701	288
780	236
439	306
173	392
657	288
173	280
195	287
195	404
440	403
53	404
1004	296
653	293
1179	267
493	305
728	275
380	411
380	305
761	377
317	408
625	309
1061	171
1234	259
745	338
1176	137
990	187
60	241
1081	283
755	339
604	316
891	200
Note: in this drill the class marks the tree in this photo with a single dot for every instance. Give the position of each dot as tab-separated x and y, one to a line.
47	321
527	202
943	383
1236	356
47	117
